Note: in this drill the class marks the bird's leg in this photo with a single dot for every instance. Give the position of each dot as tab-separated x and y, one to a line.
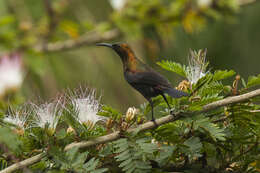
166	100
171	112
151	103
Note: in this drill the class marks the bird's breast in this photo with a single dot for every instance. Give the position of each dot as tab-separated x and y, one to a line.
130	76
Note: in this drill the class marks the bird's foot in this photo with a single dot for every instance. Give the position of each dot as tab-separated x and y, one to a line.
155	124
172	111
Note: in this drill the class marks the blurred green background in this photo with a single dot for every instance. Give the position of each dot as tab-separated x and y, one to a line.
156	30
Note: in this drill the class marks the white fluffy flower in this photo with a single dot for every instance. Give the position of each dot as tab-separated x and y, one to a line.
197	66
118	4
19	119
47	114
11	72
88	106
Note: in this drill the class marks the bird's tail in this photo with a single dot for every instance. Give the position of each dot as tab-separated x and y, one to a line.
175	93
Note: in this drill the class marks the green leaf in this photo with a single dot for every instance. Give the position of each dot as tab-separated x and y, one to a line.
10	139
253	81
243	82
204	124
123	156
126	162
5	20
195	146
174	67
71	153
108	111
101	170
3	164
223	74
61	134
165	154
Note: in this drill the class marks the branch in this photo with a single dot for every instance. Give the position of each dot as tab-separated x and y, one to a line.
23	163
87	39
52	18
231	100
143	127
246	2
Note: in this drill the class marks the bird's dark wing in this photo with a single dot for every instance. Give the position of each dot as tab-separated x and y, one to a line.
150	78
151	83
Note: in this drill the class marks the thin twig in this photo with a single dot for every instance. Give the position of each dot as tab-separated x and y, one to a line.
52	18
254	111
85	40
221	119
143	127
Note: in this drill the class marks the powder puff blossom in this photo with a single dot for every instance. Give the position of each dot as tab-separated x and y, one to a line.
18	119
47	115
118	4
204	3
87	106
11	72
197	66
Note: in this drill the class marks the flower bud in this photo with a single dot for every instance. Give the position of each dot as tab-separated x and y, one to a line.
70	130
90	125
19	131
124	126
109	123
50	131
227	89
184	85
130	114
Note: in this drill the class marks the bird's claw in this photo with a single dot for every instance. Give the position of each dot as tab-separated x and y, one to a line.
172	111
155	124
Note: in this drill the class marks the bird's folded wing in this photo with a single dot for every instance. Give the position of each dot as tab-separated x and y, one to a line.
150	78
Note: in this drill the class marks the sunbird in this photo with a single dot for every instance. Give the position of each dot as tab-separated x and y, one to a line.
143	78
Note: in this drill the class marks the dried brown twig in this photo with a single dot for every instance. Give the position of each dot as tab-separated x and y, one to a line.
87	39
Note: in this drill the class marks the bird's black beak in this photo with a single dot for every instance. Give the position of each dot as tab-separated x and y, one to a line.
105	44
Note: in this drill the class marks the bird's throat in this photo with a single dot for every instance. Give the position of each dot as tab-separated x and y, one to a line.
130	63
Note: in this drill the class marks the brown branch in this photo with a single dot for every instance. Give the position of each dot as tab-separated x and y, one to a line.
231	100
143	127
52	18
246	2
87	39
23	163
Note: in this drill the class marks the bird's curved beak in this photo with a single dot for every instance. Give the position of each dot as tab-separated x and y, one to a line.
105	44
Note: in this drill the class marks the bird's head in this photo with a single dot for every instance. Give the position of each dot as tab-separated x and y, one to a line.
122	49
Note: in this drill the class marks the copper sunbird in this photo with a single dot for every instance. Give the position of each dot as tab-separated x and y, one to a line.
142	77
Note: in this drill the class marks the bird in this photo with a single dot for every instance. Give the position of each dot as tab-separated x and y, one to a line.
143	78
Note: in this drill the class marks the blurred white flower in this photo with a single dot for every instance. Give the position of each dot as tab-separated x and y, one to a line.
11	72
18	118
197	65
118	4
87	106
204	3
47	115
